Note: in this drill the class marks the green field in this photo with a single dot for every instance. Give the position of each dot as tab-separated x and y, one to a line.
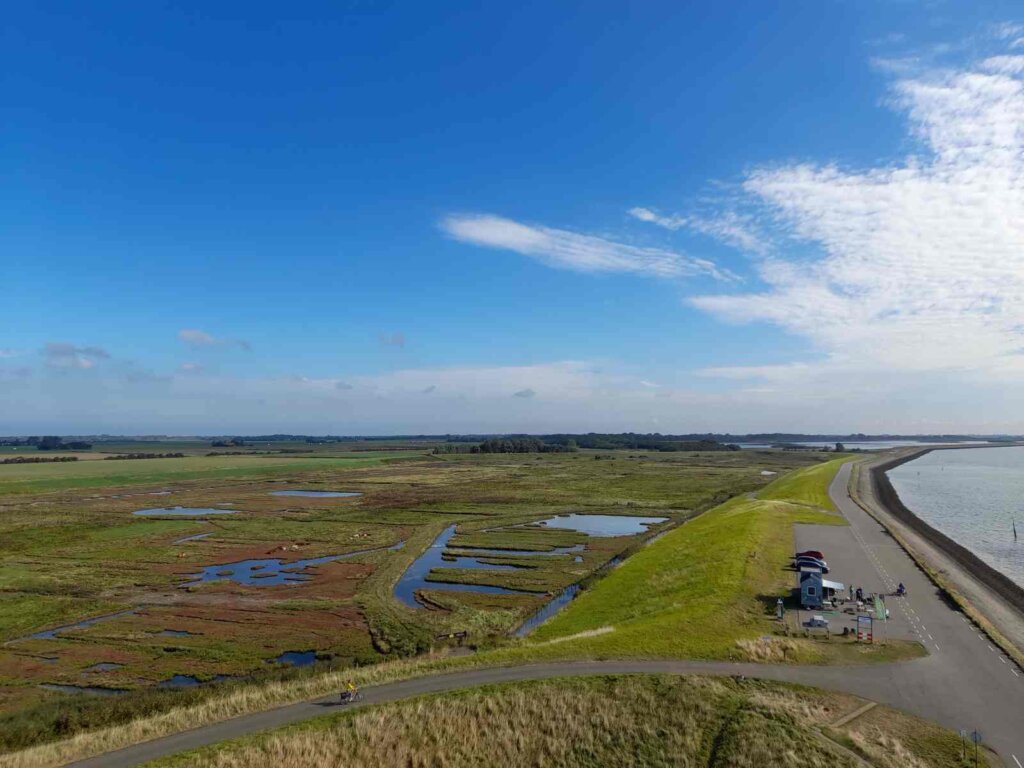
40	478
601	721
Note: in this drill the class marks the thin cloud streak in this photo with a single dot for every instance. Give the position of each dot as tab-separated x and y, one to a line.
59	354
196	338
563	249
728	227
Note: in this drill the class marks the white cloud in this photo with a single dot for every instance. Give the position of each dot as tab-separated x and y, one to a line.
197	338
59	354
922	262
1007	29
564	249
729	227
190	368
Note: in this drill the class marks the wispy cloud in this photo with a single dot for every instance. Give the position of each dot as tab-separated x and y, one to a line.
190	368
526	394
1006	30
921	263
729	227
395	339
565	249
7	353
197	338
59	354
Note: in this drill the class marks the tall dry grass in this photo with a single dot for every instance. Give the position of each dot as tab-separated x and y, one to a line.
598	721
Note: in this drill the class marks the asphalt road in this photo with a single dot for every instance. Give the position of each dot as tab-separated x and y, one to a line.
964	683
969	684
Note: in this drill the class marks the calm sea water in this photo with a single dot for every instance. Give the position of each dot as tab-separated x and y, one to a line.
971	496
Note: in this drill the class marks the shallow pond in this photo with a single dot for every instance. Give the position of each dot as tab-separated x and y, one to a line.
271	572
415	576
49	634
297	658
602	525
182	512
318	494
547	610
187	681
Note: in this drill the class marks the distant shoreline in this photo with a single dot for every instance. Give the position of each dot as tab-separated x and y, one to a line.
885	494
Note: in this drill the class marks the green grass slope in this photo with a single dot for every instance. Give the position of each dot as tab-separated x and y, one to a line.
695	591
806	486
708	588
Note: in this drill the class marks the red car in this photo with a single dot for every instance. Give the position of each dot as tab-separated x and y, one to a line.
810	553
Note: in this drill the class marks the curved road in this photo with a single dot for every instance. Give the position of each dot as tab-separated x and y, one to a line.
963	683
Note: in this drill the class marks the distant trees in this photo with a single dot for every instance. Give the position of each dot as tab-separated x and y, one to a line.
234	442
122	456
519	445
643	442
562	443
507	445
38	459
54	443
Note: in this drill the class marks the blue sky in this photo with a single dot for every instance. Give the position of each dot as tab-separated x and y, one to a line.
399	217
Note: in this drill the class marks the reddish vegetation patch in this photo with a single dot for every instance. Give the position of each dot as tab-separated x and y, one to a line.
333	580
28	662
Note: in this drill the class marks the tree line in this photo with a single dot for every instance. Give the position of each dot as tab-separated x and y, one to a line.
121	456
38	459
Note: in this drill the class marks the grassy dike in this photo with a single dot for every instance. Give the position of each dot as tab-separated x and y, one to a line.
608	720
703	590
707	589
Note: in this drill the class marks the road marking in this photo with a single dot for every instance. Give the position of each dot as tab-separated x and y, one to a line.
1015	673
1017	761
992	649
936	646
930	637
1002	659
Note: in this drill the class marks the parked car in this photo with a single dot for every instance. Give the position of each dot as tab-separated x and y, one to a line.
809	553
812	561
817	621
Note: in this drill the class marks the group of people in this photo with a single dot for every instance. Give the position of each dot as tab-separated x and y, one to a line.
901	591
